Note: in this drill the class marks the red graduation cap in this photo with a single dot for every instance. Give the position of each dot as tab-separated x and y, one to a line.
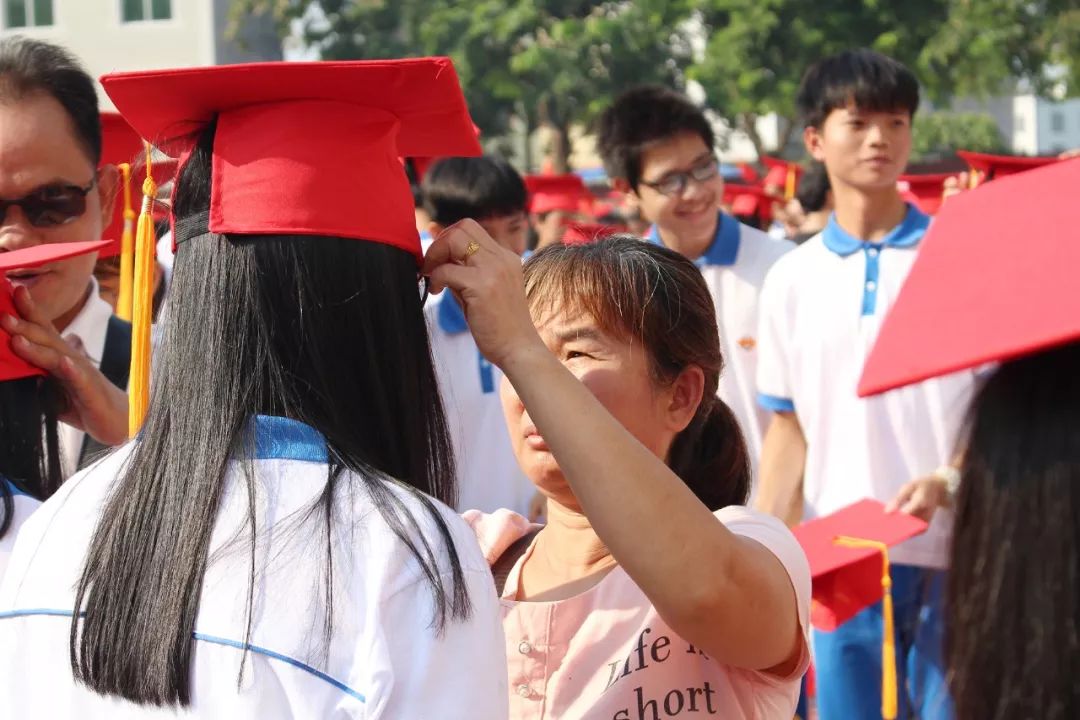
847	579
548	193
848	553
993	281
585	233
924	191
12	367
307	148
782	174
996	166
748	200
421	165
120	146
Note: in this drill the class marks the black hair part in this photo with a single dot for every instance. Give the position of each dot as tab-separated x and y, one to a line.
326	331
33	66
641	116
472	187
29	457
814	188
862	78
1012	613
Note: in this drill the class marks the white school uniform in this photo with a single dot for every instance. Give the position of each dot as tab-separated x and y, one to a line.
489	477
383	660
87	330
734	268
22	506
821	310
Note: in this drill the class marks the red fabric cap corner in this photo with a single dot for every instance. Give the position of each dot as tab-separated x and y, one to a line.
1001	165
924	191
548	193
845	579
994	279
307	148
585	233
12	367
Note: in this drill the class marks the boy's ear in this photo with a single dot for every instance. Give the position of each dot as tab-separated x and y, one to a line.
812	139
622	185
434	229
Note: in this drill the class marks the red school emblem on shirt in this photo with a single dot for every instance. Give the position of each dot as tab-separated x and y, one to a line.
748	343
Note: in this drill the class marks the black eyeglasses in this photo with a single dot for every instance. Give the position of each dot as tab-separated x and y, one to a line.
676	183
50	205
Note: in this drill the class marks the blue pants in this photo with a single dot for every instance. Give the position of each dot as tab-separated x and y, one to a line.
848	660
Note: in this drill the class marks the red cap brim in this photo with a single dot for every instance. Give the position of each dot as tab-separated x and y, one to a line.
12	367
994	279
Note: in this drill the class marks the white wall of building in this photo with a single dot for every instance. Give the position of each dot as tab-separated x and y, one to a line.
95	32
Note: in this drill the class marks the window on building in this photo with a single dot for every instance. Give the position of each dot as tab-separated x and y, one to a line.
27	13
139	10
1019	123
1057	121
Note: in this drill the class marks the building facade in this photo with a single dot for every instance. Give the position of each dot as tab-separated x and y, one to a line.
118	35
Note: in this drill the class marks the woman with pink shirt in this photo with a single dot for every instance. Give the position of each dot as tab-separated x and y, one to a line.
651	592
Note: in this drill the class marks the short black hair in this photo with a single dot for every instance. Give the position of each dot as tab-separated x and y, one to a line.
813	192
869	80
474	187
643	115
29	66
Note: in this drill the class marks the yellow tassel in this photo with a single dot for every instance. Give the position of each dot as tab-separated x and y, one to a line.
790	181
127	249
889	685
142	305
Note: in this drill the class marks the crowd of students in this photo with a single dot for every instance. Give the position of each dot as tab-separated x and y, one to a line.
388	470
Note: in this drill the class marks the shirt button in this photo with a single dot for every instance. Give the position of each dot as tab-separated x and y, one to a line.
872	252
525	648
524	691
871	286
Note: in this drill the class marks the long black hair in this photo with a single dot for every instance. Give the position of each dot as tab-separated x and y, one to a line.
1013	605
29	457
326	331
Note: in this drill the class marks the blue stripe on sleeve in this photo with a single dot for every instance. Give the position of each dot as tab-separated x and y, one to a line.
776	404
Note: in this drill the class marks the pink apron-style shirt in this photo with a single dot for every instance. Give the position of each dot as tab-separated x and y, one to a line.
606	654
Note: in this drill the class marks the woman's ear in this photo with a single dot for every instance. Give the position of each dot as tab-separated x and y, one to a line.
685	395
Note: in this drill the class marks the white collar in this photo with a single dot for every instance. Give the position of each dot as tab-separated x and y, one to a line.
91	324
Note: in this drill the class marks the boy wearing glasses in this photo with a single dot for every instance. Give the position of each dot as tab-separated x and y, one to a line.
659	149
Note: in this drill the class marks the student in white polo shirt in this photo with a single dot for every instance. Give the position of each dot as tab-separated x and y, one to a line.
659	149
490	191
821	308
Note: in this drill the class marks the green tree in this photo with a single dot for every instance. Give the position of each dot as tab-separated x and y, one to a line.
757	50
548	62
938	135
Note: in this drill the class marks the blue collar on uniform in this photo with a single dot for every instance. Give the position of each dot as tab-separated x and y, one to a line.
279	438
905	235
724	248
15	489
451	316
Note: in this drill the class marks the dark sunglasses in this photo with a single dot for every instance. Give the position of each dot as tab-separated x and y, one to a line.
50	205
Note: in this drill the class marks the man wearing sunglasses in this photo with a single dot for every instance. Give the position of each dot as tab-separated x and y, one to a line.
659	149
52	191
